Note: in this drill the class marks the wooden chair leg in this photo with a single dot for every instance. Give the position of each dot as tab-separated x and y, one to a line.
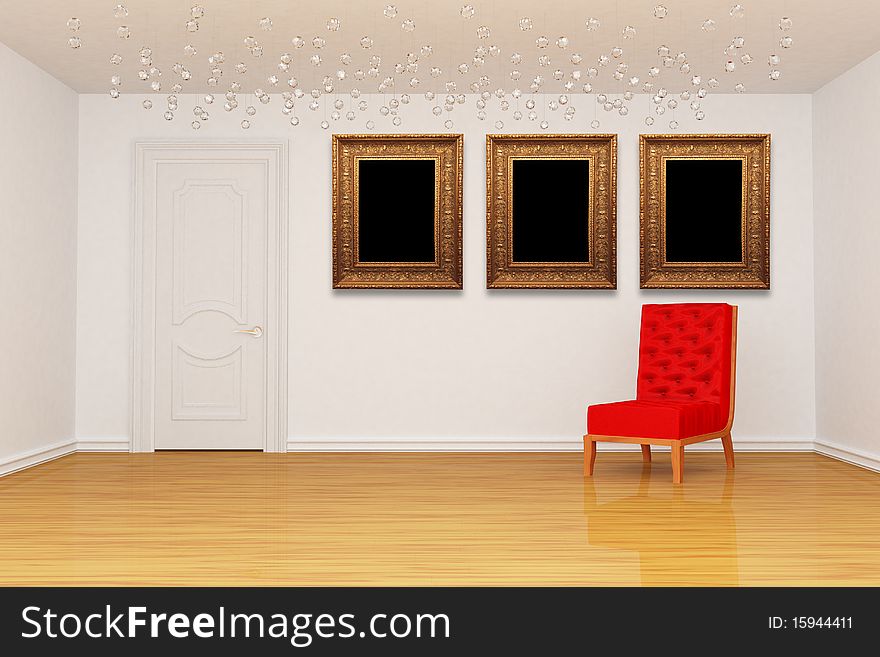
727	442
646	453
677	463
589	456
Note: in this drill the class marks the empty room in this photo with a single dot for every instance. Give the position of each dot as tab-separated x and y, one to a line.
509	306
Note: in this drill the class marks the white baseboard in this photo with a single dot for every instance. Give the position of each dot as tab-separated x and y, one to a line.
297	444
40	455
449	444
854	456
102	445
34	457
861	458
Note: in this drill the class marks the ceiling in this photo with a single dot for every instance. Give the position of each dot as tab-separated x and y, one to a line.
829	37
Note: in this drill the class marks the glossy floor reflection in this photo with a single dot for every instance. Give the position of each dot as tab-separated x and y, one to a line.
679	538
438	519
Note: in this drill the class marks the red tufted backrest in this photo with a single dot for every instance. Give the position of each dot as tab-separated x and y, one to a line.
684	353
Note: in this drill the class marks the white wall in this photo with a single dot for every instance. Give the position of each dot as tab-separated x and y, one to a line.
846	143
472	364
38	183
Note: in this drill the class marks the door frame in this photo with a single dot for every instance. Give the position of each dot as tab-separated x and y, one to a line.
148	155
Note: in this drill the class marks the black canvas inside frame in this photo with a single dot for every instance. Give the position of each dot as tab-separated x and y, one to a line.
396	210
551	210
704	210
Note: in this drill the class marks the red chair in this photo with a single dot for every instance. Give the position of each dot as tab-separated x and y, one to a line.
685	388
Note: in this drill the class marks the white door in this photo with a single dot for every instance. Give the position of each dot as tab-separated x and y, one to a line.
211	219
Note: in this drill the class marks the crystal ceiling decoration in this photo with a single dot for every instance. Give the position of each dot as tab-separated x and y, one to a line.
541	84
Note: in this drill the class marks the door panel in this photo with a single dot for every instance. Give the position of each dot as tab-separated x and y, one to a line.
208	388
210	216
211	287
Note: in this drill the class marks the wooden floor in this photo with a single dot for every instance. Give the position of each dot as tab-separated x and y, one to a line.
438	519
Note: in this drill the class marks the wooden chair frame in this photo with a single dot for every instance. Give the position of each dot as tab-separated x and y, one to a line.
677	445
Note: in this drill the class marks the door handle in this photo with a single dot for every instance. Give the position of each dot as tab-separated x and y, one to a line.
256	332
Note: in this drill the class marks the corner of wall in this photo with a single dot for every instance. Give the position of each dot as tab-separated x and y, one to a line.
38	213
844	148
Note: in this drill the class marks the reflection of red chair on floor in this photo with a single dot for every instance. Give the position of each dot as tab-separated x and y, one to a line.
685	388
687	538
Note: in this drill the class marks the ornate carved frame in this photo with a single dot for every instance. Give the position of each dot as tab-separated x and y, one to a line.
601	271
446	271
754	270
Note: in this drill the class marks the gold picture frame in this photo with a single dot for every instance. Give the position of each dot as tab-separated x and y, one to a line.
719	255
444	268
597	263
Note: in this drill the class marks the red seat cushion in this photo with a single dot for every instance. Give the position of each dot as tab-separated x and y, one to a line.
684	378
654	419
